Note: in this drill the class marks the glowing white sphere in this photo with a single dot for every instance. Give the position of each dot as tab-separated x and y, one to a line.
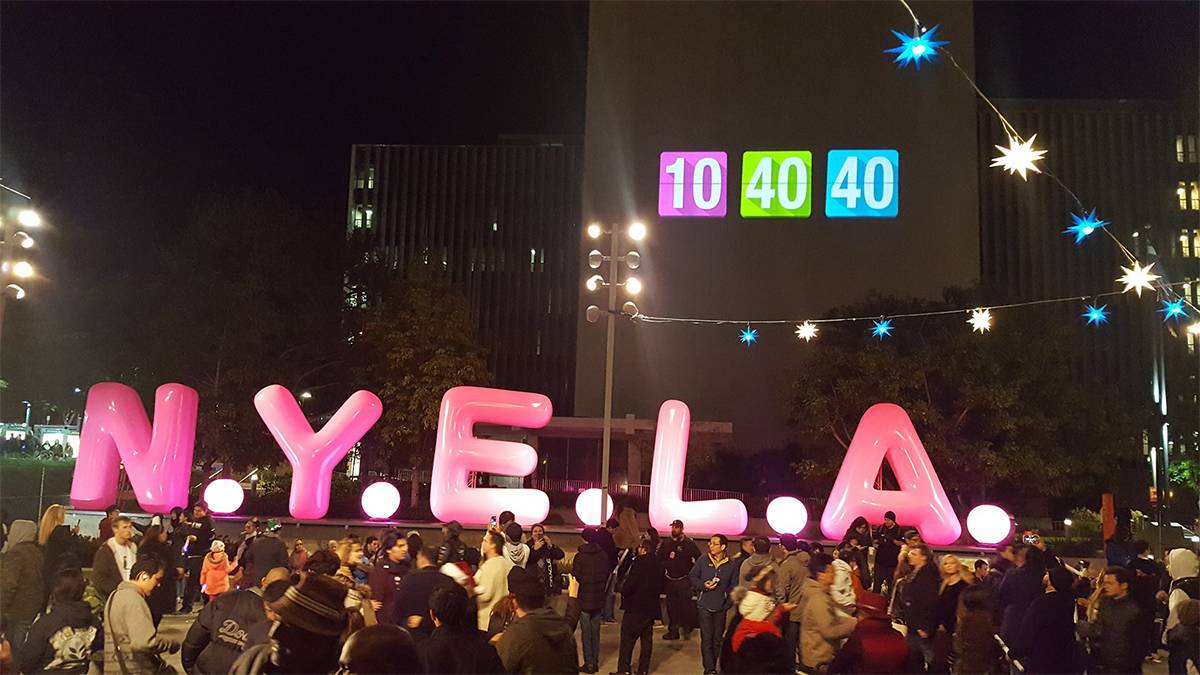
787	515
224	495
380	500
587	507
29	218
989	524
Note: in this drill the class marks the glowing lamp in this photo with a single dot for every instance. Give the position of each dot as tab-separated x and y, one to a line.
224	495
587	507
29	218
594	231
380	500
787	515
989	525
633	285
637	231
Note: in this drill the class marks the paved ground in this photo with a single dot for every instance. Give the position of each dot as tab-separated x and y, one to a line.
678	656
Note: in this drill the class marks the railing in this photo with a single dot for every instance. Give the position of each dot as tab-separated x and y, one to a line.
689	494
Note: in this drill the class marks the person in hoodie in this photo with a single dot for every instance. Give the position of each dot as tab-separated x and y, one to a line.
874	646
1184	569
1045	640
539	640
132	645
789	586
760	555
640	593
844	579
514	547
713	577
456	644
452	550
266	551
592	568
22	586
221	632
214	574
822	625
62	640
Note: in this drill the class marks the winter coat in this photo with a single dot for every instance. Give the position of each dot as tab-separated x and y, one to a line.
976	647
919	600
218	636
643	585
873	647
591	567
22	586
540	642
887	551
517	553
1117	644
947	605
129	635
263	554
822	626
1045	641
678	556
214	575
202	529
491	586
789	582
724	571
1020	586
384	580
60	552
842	590
1184	567
451	551
749	567
412	599
62	640
542	562
604	540
460	650
106	571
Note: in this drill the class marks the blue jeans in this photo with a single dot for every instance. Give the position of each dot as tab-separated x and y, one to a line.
920	650
712	632
589	634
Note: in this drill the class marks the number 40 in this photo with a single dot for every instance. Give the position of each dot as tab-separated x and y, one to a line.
868	176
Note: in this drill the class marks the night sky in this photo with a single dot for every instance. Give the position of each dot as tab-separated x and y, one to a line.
119	118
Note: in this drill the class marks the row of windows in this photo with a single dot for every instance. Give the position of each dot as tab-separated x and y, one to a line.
366	180
1189	195
1185	148
364	217
1189	243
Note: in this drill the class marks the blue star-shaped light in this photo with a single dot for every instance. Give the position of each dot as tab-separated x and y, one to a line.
748	336
1096	315
916	48
1083	224
882	329
1172	309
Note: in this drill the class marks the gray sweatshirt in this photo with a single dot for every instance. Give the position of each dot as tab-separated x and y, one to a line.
129	634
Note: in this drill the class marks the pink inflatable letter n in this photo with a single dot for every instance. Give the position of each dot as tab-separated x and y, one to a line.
885	431
458	452
158	459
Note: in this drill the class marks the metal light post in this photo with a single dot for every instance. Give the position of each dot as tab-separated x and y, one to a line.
632	286
14	270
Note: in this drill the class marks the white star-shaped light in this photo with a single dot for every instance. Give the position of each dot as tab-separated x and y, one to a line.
1138	279
807	331
981	320
1018	157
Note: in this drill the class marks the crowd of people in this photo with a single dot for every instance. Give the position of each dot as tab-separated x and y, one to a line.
879	601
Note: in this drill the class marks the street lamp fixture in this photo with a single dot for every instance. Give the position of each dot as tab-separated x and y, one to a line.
25	239
633	260
594	231
594	282
18	291
29	218
305	395
629	308
637	231
22	269
633	285
595	259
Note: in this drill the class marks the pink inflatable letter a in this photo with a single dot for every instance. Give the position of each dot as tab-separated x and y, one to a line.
715	516
885	430
158	459
458	452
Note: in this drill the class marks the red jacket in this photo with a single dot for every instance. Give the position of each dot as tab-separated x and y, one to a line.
873	647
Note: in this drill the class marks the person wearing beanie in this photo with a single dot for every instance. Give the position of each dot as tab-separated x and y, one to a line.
214	574
592	567
307	635
889	538
1045	641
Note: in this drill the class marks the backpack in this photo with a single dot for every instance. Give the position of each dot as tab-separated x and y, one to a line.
1189	585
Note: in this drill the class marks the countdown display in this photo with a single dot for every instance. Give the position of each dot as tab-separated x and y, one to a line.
778	184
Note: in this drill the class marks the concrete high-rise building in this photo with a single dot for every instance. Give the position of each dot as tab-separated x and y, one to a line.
502	221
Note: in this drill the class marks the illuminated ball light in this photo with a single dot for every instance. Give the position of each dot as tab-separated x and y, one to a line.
380	500
587	507
787	515
989	525
224	495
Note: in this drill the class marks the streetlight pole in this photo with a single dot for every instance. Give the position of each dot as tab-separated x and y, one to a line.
11	240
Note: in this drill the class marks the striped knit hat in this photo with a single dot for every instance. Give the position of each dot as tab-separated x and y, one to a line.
317	605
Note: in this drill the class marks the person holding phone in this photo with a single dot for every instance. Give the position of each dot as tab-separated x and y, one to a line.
713	576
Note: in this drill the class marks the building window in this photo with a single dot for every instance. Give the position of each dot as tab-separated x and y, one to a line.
1189	196
358	217
1185	148
1189	243
1191	342
368	217
371	178
359	183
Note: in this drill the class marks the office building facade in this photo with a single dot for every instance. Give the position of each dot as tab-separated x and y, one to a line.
502	221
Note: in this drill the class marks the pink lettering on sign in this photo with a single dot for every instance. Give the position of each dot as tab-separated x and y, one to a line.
692	183
313	456
458	452
886	432
158	459
724	516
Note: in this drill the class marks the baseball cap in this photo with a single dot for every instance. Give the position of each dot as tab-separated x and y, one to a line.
677	523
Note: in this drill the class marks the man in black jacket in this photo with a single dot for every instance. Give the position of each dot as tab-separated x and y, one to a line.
888	540
1117	647
264	552
220	633
677	555
456	645
639	598
411	603
919	599
200	536
1045	641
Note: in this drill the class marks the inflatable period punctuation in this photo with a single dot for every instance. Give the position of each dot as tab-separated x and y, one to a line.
158	459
